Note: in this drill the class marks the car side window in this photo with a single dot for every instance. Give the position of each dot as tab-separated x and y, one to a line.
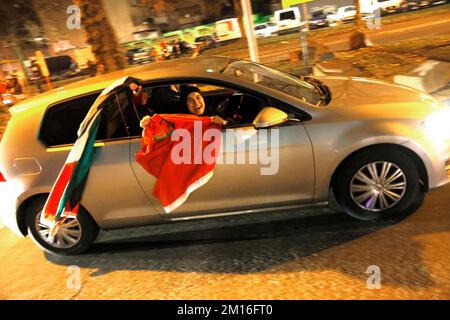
61	121
131	113
112	124
238	108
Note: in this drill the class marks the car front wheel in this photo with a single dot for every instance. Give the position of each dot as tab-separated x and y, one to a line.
378	183
74	236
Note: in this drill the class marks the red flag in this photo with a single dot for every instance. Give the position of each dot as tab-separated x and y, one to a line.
181	152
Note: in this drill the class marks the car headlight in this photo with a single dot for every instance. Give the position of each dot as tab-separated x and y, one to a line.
438	124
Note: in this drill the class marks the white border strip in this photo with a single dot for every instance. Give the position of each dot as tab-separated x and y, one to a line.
194	186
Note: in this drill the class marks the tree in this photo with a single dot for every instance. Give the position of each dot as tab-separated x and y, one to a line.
357	38
100	35
358	19
238	12
20	25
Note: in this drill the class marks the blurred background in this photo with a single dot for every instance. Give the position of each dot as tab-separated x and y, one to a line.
49	44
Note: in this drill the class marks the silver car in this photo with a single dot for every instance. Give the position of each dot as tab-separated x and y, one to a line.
378	146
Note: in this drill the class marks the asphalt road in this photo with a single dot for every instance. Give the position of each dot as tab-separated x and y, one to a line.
318	254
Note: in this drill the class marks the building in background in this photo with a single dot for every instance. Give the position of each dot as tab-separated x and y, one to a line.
119	15
131	20
56	37
177	14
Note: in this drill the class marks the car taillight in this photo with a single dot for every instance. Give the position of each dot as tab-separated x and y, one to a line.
2	178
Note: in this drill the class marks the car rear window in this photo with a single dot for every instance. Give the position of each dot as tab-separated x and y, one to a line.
61	121
289	15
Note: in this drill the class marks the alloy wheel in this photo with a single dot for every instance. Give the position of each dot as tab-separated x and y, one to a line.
378	186
69	233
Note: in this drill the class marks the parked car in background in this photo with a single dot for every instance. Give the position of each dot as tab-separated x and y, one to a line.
206	42
343	14
143	55
267	29
7	99
378	146
140	55
129	54
227	30
62	67
389	6
318	19
186	47
437	2
288	20
410	5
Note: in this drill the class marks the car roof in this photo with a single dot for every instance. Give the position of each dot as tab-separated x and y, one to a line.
193	67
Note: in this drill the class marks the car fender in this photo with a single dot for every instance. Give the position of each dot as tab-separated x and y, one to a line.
332	147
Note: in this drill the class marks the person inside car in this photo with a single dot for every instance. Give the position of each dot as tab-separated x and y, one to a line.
191	101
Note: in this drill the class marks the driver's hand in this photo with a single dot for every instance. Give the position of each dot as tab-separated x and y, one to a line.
218	120
145	121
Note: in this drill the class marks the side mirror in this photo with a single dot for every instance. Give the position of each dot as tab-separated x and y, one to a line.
269	117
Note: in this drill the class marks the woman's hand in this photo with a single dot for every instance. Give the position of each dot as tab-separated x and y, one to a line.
135	88
218	120
145	121
139	94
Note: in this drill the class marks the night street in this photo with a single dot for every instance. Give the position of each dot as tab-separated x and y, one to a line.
321	255
225	150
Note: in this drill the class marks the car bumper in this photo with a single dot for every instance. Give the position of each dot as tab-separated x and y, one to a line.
9	204
391	9
318	25
435	155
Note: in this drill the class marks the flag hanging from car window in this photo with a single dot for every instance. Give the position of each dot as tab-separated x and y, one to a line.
66	193
65	196
180	150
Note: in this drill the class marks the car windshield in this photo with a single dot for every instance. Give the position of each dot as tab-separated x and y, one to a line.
274	79
200	39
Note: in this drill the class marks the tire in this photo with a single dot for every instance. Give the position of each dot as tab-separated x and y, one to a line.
367	198
82	230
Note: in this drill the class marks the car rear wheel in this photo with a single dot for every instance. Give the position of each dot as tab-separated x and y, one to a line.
75	235
378	183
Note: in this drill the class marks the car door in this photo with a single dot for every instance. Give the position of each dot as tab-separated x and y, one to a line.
255	168
112	190
111	195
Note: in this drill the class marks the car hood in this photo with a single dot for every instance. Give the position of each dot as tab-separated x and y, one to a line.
369	98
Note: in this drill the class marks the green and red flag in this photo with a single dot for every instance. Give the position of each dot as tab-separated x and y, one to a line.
65	196
64	199
180	150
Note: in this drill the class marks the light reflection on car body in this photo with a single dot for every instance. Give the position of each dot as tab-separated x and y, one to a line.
340	118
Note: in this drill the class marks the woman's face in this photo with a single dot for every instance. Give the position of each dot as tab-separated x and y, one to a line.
195	103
